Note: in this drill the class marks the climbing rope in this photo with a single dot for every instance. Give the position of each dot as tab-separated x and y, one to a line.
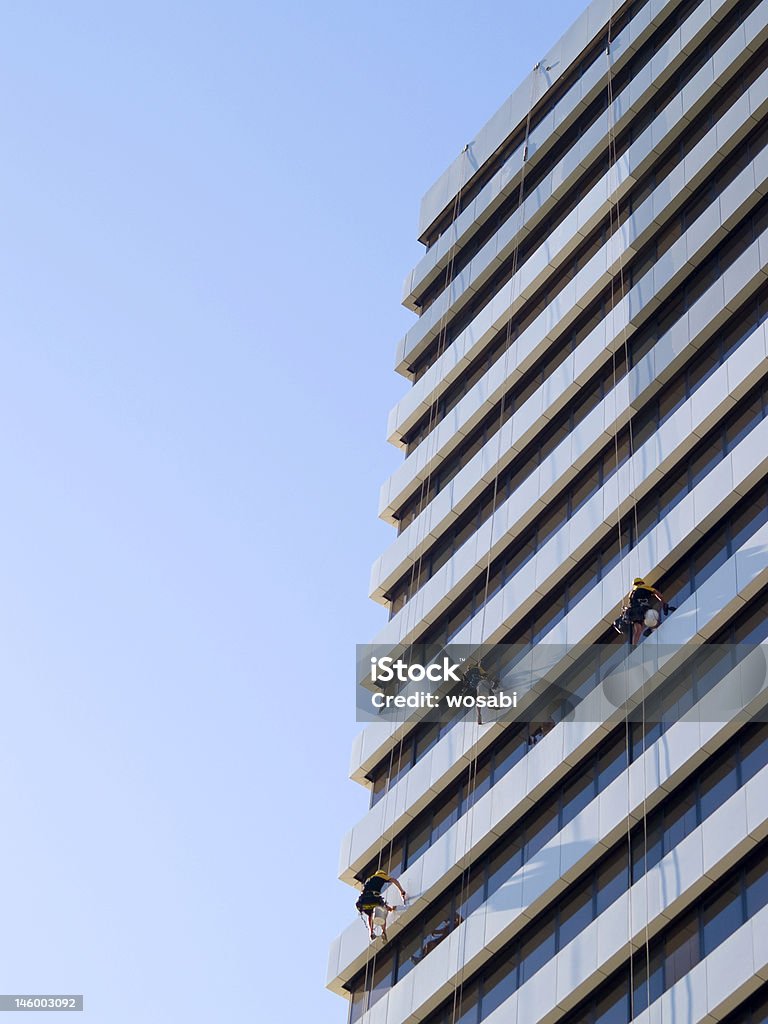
458	991
508	339
415	577
613	190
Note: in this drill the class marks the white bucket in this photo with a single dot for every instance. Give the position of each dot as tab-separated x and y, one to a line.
651	618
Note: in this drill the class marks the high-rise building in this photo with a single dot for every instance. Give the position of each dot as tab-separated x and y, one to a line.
588	400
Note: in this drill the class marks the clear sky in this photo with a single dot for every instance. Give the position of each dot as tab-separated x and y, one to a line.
207	213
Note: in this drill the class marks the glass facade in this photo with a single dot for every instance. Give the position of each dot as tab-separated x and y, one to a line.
683	810
648	197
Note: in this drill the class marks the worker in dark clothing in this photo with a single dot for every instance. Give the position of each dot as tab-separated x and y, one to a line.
474	677
642	611
538	730
371	903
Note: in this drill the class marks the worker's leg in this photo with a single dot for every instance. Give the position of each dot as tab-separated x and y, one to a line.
379	917
637	632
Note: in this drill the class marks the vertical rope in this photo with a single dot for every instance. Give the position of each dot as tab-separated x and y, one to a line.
370	966
612	164
613	238
508	341
458	991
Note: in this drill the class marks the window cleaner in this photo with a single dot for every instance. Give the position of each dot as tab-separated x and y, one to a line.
642	611
371	903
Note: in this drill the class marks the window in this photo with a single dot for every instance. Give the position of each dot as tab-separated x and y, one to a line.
578	793
757	888
478	784
721	782
578	587
612	762
471	895
611	880
754	752
499	985
408	955
427	740
575	915
679	821
541	828
745	524
443	818
419	840
584	490
647	847
508	756
681	950
382	979
721	916
743	424
613	1007
504	864
672	397
438	926
646	993
704	462
537	949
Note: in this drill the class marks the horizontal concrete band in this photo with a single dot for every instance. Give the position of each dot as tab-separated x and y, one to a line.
593	143
598	515
696	619
555	472
686	253
515	109
542	137
695	168
665	890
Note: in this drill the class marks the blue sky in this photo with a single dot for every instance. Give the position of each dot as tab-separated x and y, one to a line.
208	211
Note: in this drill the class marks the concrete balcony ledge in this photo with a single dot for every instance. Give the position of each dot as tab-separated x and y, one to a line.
532	777
737	474
697	861
571	104
690	332
687	251
573	163
678	435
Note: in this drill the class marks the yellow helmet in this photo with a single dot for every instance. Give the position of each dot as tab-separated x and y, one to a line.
638	582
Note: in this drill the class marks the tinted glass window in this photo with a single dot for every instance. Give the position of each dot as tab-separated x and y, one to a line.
757	888
645	993
611	880
537	950
680	821
471	896
613	1008
501	983
720	783
754	753
503	865
681	950
541	829
578	794
721	917
575	915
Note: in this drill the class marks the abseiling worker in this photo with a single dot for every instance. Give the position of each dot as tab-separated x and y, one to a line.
643	610
473	678
371	901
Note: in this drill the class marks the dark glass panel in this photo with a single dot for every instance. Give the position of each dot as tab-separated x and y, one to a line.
721	916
